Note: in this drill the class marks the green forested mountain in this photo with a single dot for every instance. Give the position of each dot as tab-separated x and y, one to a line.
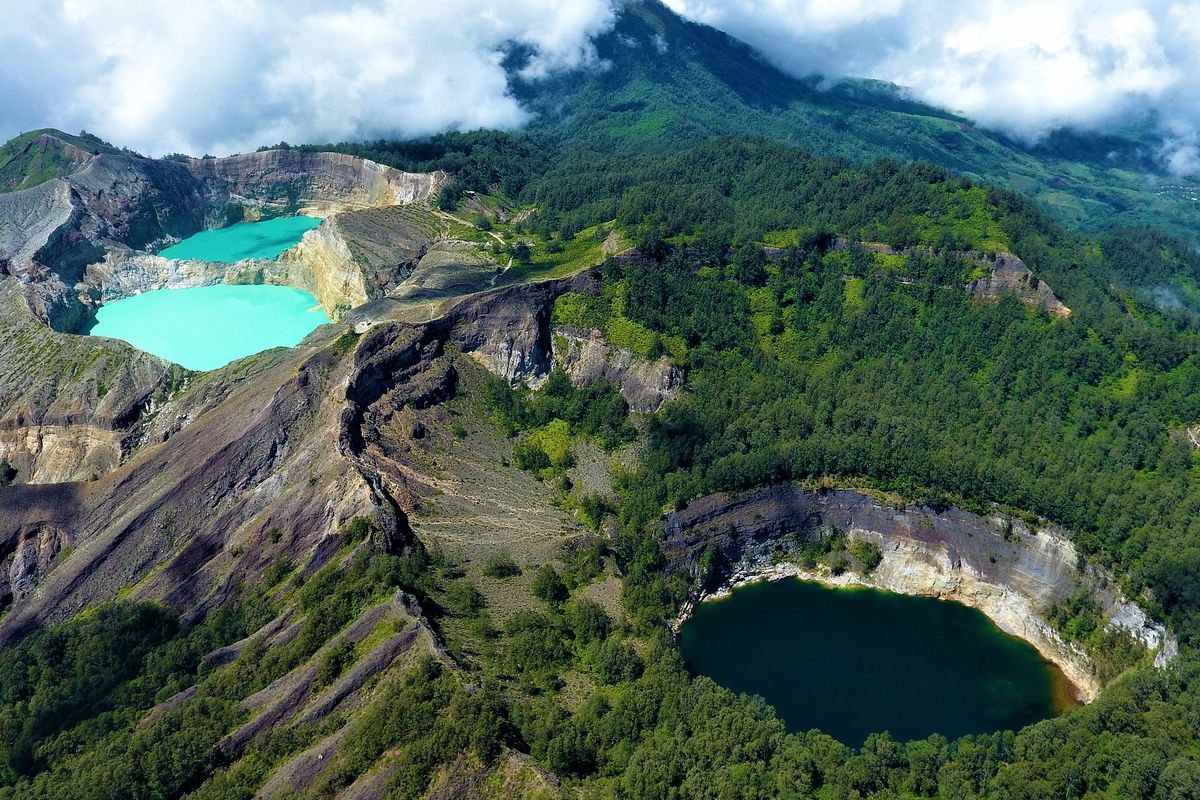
812	267
667	82
685	82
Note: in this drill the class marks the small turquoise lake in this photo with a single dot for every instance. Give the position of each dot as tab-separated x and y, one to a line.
852	662
265	239
207	327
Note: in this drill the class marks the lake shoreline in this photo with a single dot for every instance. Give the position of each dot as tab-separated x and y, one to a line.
204	328
852	660
1069	660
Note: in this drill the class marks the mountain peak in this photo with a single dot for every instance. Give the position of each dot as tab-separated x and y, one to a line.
42	155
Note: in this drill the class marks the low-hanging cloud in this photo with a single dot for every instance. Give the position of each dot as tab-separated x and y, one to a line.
1025	67
228	75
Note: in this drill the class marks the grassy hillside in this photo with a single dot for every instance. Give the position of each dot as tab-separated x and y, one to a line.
42	155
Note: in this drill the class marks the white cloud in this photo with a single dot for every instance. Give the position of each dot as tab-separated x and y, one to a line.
1023	66
227	75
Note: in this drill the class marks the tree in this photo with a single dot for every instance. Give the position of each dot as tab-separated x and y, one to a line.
588	620
548	586
501	565
1180	780
749	265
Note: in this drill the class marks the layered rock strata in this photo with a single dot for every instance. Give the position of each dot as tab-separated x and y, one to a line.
997	564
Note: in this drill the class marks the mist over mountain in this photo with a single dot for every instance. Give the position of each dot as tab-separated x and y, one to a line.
221	77
1026	68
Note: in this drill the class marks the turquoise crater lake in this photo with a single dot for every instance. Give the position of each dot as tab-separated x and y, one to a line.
858	661
207	327
265	239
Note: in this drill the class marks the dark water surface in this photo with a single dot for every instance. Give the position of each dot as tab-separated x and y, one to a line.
856	661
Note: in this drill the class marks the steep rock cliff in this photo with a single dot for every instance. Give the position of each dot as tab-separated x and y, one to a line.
272	183
1011	276
997	564
588	358
68	404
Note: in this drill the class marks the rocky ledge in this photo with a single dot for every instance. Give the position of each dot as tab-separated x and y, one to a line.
1011	572
587	358
1011	276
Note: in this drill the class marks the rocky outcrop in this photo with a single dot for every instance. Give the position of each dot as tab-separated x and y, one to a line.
273	183
997	564
69	405
61	453
323	265
36	549
587	358
508	332
80	239
1010	276
28	219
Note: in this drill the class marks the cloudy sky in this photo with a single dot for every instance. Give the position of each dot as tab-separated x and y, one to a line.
228	75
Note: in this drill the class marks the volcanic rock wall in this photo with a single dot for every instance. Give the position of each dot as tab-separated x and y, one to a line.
997	564
587	358
79	240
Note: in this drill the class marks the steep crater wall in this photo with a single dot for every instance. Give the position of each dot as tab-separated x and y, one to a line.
77	241
996	564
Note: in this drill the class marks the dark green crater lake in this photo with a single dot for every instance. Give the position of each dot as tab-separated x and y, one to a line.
852	662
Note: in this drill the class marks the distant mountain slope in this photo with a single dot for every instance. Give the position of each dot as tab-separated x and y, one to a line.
33	158
667	81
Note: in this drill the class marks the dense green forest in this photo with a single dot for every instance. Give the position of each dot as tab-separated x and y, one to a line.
808	356
815	359
828	360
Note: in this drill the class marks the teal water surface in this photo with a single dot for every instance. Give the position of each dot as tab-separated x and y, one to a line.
858	661
244	240
207	327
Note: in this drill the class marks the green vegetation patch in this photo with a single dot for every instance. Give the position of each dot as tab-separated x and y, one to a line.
33	158
605	313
